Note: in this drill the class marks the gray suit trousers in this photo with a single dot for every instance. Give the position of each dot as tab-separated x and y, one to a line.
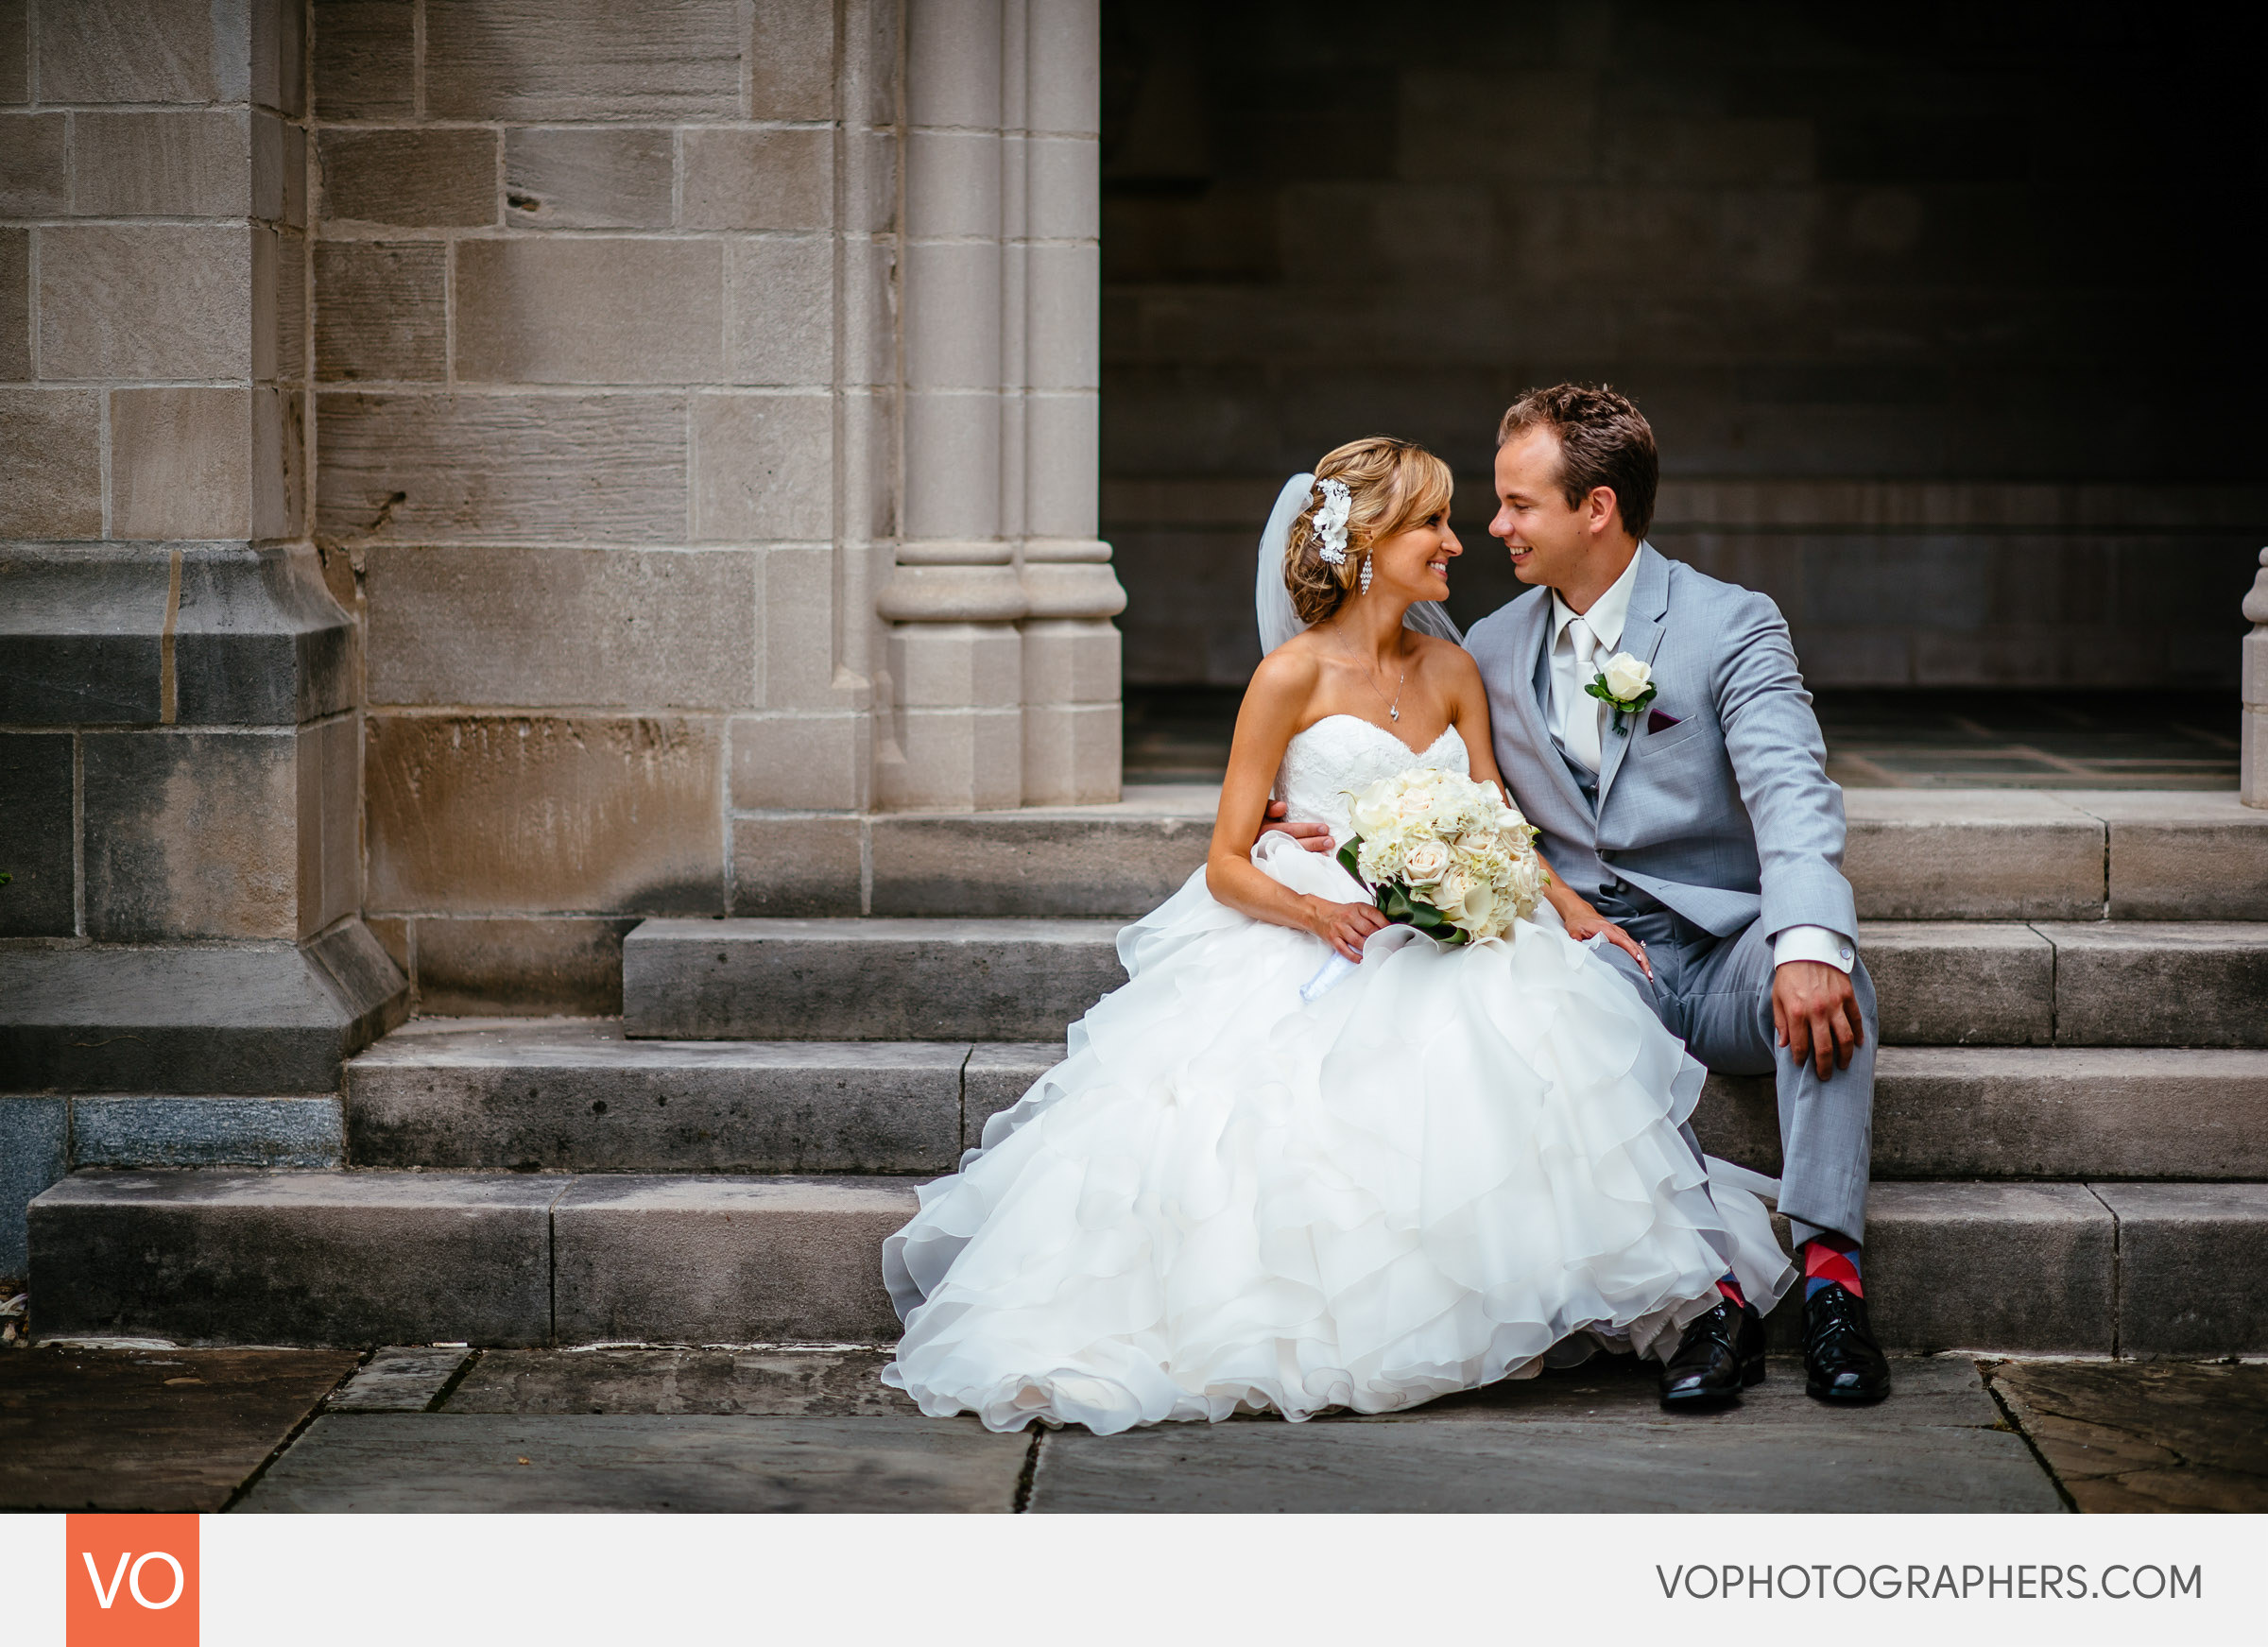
1716	994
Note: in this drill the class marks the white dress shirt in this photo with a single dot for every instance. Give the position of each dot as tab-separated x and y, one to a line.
1606	620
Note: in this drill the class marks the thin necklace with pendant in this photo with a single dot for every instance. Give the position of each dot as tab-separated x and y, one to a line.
1393	709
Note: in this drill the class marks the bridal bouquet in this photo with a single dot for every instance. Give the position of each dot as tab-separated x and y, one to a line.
1444	854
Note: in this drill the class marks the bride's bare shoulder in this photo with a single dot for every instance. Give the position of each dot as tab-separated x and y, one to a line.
1280	690
1446	656
1292	670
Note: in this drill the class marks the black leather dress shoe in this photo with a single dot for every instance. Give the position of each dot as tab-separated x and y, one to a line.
1721	1354
1841	1360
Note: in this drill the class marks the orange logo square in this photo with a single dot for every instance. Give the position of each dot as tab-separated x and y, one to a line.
129	1581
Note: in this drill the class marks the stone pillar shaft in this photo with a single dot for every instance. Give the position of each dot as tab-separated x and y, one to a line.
1001	661
1070	648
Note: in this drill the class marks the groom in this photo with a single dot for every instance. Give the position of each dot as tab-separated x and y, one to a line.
1702	821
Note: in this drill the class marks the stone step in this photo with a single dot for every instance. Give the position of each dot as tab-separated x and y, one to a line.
1940	982
2104	984
2067	854
576	1096
1913	854
498	1258
514	1260
865	980
2071	1113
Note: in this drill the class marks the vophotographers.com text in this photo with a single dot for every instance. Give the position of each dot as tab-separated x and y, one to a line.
1886	1581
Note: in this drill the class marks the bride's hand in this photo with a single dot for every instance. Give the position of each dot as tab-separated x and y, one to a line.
1585	922
1343	926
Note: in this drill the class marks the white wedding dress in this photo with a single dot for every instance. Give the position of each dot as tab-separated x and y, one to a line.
1446	1167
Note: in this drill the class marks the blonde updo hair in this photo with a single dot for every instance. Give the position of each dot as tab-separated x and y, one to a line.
1392	486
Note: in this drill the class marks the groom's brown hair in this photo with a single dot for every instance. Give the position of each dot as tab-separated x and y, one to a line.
1604	440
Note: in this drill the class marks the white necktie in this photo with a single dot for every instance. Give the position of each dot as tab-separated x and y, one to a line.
1583	712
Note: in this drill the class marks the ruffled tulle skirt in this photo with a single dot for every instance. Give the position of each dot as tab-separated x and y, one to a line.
1453	1167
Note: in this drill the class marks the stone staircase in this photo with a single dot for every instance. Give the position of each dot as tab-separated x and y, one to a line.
2070	1131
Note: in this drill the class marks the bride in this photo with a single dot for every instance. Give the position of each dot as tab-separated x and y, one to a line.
1449	1167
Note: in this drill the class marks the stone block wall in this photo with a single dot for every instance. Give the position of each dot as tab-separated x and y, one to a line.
177	691
513	467
693	384
1870	273
603	349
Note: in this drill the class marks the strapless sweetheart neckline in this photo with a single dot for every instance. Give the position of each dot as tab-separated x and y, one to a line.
1359	721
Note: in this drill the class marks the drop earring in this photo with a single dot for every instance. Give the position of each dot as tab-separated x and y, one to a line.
1362	583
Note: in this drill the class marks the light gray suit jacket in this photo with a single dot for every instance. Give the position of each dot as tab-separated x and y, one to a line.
1727	816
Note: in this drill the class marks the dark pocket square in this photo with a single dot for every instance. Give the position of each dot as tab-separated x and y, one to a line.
1658	722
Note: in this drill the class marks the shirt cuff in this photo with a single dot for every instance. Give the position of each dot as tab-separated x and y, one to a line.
1812	943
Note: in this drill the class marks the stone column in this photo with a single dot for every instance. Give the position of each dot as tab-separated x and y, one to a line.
955	656
999	352
1070	648
2252	786
179	723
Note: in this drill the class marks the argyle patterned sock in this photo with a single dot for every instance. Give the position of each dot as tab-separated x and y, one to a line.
1732	1289
1828	1259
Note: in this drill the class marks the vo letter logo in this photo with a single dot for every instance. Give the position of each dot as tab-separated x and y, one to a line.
131	1581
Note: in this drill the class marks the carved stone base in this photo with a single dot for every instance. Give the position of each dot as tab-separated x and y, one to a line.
194	1018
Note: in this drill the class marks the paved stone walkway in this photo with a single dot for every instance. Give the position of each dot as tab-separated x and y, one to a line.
751	1430
1883	739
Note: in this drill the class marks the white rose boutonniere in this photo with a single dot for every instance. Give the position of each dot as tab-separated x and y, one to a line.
1626	685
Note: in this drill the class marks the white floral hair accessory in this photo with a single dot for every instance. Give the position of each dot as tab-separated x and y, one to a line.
1330	519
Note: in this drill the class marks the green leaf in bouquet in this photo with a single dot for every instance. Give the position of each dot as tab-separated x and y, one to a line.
1398	906
1348	859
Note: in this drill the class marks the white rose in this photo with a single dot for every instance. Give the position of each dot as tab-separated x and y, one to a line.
1414	805
1627	677
1425	862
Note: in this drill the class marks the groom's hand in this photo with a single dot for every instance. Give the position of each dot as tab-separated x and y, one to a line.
1316	837
1816	1013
